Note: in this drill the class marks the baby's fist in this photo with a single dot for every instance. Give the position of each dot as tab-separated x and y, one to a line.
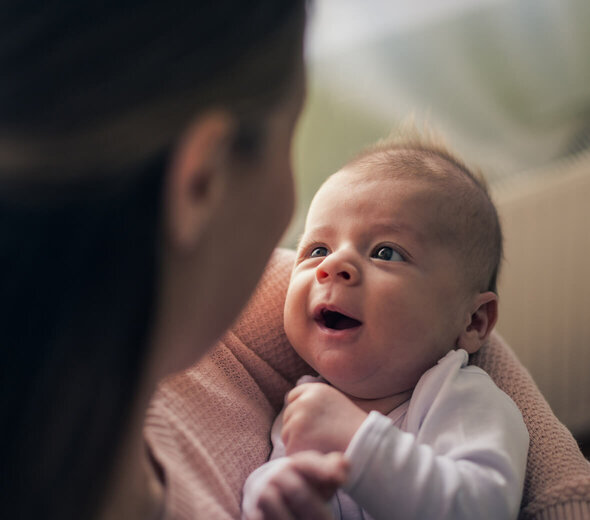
319	417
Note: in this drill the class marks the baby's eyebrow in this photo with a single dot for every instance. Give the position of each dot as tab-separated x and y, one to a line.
399	227
319	234
316	234
304	241
317	231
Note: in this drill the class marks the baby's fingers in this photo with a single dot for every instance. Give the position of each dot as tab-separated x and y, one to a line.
296	487
288	496
272	505
326	473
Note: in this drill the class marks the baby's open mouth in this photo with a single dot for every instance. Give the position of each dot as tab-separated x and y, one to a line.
336	320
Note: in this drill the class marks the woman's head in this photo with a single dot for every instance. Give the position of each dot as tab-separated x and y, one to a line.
141	146
100	86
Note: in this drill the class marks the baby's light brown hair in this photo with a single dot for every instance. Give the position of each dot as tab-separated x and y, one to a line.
468	220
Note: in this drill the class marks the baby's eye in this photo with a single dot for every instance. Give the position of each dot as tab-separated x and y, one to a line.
318	251
387	253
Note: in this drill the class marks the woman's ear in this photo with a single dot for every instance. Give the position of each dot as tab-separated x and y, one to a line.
480	323
197	177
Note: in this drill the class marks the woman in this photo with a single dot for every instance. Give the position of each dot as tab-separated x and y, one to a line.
144	181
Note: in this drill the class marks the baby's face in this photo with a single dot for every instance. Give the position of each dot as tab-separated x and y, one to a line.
375	299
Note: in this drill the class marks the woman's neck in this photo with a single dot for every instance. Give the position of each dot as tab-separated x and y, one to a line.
135	492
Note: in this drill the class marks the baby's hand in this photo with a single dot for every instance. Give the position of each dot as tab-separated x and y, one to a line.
299	487
319	417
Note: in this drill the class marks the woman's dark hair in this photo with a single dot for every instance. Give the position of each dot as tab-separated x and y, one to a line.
78	281
92	98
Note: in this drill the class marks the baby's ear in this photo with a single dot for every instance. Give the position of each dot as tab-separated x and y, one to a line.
481	322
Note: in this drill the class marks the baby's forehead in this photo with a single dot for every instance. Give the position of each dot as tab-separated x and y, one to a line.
445	194
440	175
359	179
401	198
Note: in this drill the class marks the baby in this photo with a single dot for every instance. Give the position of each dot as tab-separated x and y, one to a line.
394	285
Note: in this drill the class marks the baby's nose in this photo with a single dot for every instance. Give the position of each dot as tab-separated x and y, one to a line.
337	270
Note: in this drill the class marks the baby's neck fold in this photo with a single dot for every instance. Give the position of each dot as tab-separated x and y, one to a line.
382	405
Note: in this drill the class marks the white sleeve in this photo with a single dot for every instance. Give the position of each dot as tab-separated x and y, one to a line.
463	456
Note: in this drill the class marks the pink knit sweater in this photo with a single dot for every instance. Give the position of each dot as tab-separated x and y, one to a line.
208	427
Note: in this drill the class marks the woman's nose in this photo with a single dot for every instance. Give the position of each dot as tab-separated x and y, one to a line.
335	268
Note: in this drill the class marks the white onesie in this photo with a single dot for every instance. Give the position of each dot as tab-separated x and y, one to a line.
456	450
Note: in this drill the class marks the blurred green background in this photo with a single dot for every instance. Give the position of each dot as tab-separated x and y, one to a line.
505	81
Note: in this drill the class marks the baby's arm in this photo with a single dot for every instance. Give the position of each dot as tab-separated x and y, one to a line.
464	458
298	486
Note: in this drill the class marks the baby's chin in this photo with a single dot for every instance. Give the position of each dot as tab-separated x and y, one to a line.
346	378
